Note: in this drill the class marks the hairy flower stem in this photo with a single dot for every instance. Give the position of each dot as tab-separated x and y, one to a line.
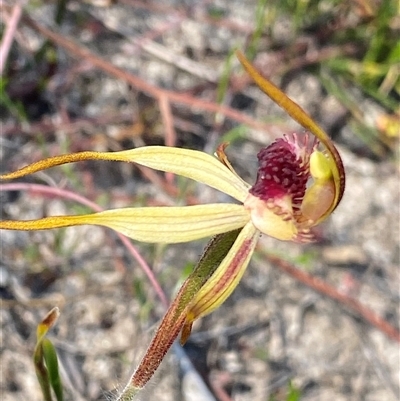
175	318
129	393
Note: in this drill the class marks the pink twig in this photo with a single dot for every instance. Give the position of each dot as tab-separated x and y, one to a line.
165	108
170	134
8	36
64	193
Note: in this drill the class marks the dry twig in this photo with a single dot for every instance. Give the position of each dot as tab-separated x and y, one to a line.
327	290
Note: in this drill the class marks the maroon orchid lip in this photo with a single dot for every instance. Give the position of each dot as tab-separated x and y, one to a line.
284	169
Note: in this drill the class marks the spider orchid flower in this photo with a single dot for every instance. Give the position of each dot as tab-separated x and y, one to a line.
297	187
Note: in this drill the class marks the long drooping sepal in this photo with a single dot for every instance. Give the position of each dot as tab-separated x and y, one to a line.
188	163
174	319
299	115
224	280
151	224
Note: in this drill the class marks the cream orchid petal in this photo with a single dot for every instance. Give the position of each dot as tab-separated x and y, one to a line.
198	166
225	278
193	164
152	224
